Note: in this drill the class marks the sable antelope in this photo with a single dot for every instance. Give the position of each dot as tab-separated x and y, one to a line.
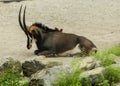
53	41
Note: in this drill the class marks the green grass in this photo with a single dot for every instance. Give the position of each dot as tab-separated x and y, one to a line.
10	76
107	57
112	74
11	79
115	50
70	78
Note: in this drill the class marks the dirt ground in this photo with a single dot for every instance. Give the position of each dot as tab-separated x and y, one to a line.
98	20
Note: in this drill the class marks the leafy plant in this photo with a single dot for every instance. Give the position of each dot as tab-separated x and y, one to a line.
105	58
115	50
112	74
10	76
70	78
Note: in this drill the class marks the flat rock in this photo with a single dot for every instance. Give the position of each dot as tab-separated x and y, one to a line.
88	63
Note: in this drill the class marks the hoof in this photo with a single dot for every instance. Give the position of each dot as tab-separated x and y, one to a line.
36	52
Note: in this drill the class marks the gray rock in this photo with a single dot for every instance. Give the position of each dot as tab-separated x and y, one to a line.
92	76
97	64
4	60
117	60
95	71
46	77
117	84
31	67
53	74
88	63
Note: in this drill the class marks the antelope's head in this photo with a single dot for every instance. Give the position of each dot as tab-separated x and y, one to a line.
25	28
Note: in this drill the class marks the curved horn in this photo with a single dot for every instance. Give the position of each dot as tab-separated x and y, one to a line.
20	23
25	27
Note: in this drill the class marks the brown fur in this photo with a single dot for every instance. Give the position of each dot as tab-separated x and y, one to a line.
31	28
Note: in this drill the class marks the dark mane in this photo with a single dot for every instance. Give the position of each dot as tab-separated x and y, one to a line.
45	28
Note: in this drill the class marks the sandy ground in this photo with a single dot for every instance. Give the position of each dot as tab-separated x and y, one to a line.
98	20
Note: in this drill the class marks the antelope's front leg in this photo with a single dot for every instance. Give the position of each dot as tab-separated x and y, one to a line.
45	53
36	52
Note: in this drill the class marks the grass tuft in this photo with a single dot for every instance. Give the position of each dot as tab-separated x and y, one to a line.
10	76
112	74
70	78
105	58
115	50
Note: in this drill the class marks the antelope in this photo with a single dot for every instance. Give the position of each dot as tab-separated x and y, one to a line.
51	42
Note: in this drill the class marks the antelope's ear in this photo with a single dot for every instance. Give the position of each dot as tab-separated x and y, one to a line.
56	28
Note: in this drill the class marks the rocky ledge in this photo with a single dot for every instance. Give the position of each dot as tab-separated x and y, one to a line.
45	73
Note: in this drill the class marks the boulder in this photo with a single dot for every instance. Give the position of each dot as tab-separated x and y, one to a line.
92	77
31	67
4	60
88	63
46	77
